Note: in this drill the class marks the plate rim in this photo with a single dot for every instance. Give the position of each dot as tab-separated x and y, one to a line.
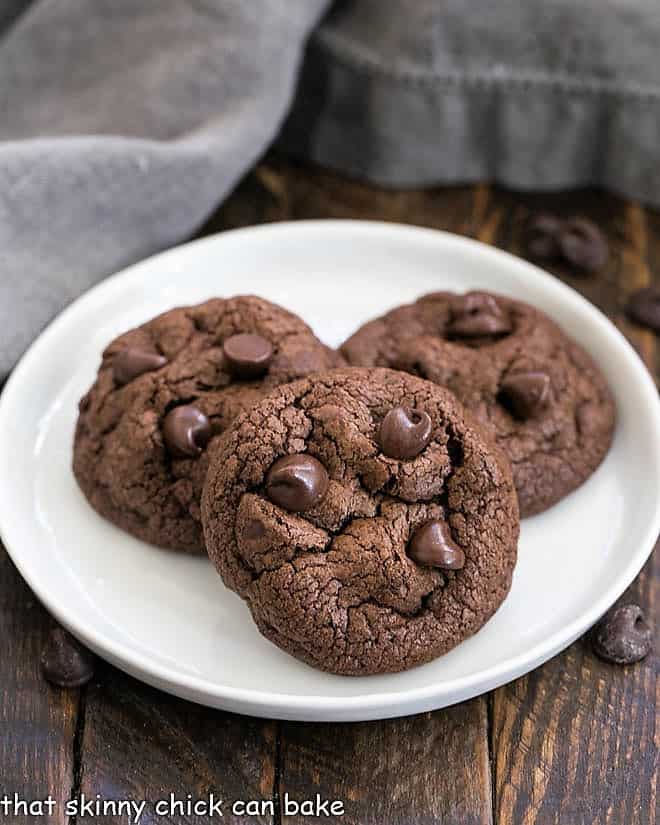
309	706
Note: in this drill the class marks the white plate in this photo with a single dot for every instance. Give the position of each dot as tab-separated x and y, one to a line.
168	619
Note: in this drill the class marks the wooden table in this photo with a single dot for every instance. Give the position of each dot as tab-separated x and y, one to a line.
571	743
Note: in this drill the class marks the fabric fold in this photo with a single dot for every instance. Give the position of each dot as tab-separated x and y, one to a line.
549	94
122	126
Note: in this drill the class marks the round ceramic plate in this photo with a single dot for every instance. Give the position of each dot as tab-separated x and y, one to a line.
168	620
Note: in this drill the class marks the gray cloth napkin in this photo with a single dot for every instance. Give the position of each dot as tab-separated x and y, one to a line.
540	94
123	124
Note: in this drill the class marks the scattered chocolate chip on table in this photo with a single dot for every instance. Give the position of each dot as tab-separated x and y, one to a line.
643	307
65	662
576	241
623	636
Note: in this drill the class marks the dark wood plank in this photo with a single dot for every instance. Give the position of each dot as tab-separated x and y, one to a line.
278	190
651	248
431	768
140	744
574	740
37	722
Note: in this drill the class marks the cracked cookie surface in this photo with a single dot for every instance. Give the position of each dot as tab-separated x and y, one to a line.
351	559
164	393
539	393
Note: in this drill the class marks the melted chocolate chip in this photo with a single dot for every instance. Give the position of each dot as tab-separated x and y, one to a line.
433	546
643	307
541	236
477	315
65	662
186	431
525	394
623	636
247	355
128	363
405	432
297	482
583	245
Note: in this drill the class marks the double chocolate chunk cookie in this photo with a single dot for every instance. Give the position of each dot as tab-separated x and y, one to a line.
540	395
164	393
364	517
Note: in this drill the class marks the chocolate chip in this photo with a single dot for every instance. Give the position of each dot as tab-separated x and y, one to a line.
643	307
433	546
128	363
477	314
248	355
577	241
541	236
583	245
525	394
297	482
622	636
186	431
65	662
405	432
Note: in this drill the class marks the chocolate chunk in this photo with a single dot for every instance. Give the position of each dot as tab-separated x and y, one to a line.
477	314
297	482
65	662
405	432
583	245
525	394
433	546
128	363
622	636
186	431
643	307
248	355
541	236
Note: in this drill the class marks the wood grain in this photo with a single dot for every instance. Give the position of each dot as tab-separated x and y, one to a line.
431	768
574	740
37	722
141	744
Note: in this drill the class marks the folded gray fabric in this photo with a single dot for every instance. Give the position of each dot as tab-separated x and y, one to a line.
124	124
541	94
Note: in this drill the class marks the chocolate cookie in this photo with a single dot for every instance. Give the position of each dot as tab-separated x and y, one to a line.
164	393
364	517
541	396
